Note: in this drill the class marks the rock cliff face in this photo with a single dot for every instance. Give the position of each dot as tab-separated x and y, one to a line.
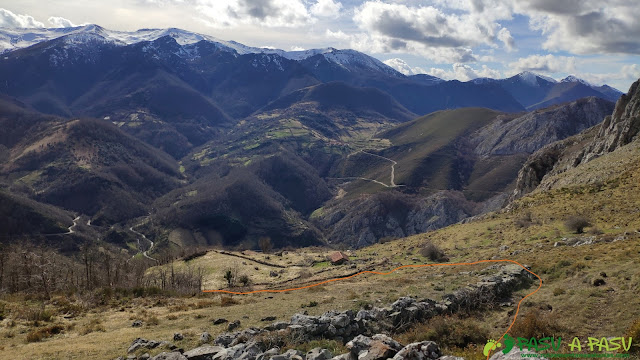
617	130
536	129
620	128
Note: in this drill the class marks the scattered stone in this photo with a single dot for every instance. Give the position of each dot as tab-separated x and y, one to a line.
289	355
598	282
219	321
169	356
137	323
233	325
273	273
204	352
419	350
141	343
268	354
449	357
178	337
268	318
515	354
205	337
144	356
319	354
603	274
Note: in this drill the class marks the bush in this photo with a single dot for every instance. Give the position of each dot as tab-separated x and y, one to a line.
535	324
43	333
265	244
228	301
244	280
432	252
577	224
448	332
558	291
633	331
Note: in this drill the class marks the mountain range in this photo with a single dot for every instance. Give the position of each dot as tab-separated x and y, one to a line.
211	142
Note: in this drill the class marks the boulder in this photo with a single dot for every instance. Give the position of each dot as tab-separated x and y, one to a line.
377	347
515	354
233	325
219	321
204	352
319	354
289	355
141	343
419	351
205	337
169	356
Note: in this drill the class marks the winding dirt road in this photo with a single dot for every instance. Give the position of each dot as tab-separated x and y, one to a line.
393	172
141	235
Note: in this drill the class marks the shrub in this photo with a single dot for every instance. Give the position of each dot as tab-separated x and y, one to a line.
633	331
228	301
577	224
432	252
535	324
449	332
265	244
45	332
244	280
558	291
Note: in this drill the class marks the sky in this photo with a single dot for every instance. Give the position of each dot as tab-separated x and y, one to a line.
596	40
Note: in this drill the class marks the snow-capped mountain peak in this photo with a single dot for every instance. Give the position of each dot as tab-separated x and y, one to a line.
573	79
532	78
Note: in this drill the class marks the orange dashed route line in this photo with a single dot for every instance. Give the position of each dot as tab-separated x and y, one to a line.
392	271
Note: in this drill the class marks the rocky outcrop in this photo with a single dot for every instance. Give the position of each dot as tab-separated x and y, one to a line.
617	130
367	219
362	332
532	131
620	128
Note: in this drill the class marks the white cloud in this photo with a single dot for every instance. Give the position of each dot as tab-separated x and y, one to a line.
340	35
60	22
268	13
439	35
10	20
504	35
402	66
547	64
326	8
464	72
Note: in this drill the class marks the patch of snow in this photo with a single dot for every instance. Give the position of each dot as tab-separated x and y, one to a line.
573	79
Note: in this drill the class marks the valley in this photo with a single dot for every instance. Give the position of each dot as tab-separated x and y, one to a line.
140	169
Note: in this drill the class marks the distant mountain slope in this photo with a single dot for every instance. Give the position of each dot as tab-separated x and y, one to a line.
449	165
206	81
88	166
616	131
527	133
534	91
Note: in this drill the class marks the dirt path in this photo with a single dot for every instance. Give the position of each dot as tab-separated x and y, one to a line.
141	235
392	181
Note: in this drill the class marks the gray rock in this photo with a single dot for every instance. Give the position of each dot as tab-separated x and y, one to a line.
319	354
233	325
178	337
268	318
419	351
169	356
141	343
136	323
278	325
514	354
205	337
204	352
347	356
268	354
377	347
225	339
450	357
289	355
220	321
144	356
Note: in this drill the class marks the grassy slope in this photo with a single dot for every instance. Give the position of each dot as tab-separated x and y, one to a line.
424	149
